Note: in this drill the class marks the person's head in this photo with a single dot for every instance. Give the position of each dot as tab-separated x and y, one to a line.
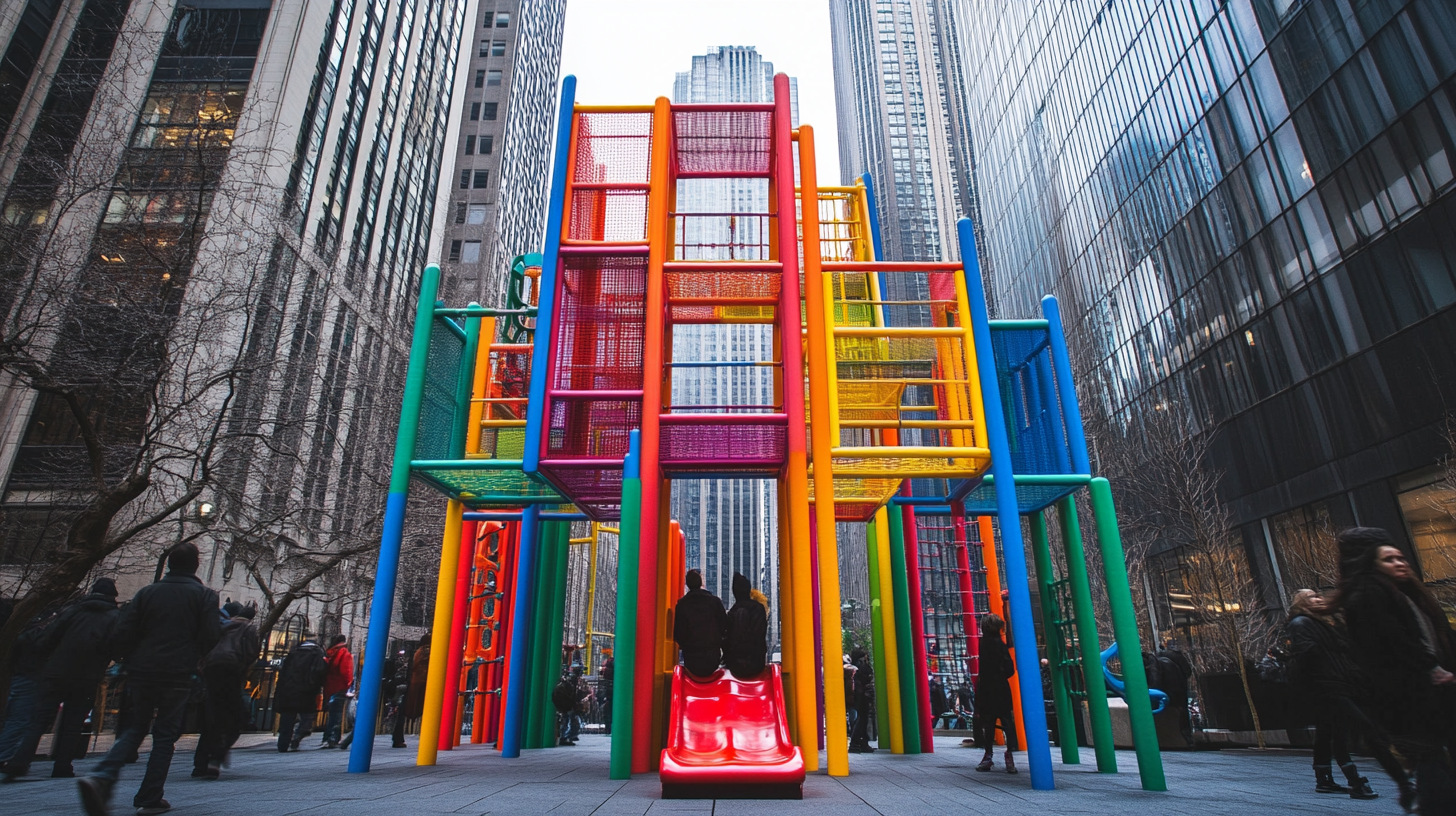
741	589
992	624
231	609
336	640
1308	602
856	654
1392	563
183	559
104	586
246	612
694	579
425	640
309	637
1357	546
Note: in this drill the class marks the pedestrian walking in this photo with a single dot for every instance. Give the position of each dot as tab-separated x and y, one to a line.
604	688
26	662
940	713
699	624
993	693
1403	643
1324	671
745	646
78	643
864	702
570	698
224	672
337	681
851	715
162	636
419	675
391	695
295	698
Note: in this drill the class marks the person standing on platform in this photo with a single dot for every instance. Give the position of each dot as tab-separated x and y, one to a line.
161	636
300	682
745	648
699	624
337	681
224	671
993	693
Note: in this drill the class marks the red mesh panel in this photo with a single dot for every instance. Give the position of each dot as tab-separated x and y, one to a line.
608	215
613	148
715	447
591	428
600	323
849	511
723	142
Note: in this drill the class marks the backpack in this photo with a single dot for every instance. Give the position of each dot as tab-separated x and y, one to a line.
1274	666
564	695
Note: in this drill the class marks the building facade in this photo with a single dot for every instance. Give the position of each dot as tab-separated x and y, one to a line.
1246	211
503	150
215	214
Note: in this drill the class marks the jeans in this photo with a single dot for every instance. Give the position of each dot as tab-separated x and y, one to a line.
222	715
19	711
570	728
334	723
78	696
158	706
294	727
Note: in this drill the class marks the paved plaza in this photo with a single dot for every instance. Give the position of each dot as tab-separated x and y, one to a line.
476	781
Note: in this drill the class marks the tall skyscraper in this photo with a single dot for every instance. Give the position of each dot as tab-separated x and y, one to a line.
900	101
503	151
1246	210
214	218
730	524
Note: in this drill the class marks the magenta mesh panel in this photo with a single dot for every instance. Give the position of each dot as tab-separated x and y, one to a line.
719	446
599	322
613	148
591	484
591	428
723	142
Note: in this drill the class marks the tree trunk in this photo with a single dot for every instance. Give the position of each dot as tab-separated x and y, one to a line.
1248	693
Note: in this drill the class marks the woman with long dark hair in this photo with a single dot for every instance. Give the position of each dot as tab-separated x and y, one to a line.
1403	642
993	692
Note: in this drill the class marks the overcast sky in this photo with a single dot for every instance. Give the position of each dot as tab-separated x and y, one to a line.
628	51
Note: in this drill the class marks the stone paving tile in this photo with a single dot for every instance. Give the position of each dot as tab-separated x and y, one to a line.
474	781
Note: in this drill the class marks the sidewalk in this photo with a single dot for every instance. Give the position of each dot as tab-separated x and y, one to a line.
476	781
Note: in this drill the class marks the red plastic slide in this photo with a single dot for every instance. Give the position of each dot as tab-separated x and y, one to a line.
729	739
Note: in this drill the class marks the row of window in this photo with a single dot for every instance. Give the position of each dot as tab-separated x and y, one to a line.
474	179
484	110
492	48
484	78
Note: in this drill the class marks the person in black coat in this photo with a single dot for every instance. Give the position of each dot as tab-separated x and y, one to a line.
161	636
699	623
993	692
863	700
745	649
1324	671
1403	643
295	697
224	671
78	643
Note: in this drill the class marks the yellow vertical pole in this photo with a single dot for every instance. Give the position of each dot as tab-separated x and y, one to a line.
439	647
482	381
591	592
887	615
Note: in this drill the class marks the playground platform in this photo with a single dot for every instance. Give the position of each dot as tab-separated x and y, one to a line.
475	780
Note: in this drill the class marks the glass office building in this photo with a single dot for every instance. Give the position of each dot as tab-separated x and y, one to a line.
1246	210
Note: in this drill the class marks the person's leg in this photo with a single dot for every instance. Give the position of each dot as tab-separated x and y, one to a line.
1377	742
170	702
304	728
1324	742
212	708
40	717
399	721
335	720
80	697
19	711
286	722
138	703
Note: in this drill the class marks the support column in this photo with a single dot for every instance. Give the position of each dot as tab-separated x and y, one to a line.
449	719
1088	640
625	643
904	636
518	673
1045	577
917	628
890	615
877	636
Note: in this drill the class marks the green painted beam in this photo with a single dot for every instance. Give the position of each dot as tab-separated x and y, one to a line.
877	634
1061	700
1088	640
904	639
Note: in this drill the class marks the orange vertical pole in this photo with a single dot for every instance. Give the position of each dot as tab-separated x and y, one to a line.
993	586
652	365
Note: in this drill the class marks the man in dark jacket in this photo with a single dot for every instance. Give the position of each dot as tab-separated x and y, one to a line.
162	636
864	702
295	699
78	643
699	624
604	688
26	663
223	672
745	648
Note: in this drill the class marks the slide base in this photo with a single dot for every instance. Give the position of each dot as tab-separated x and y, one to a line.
784	790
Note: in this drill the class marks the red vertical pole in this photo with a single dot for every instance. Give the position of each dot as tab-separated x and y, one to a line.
451	702
917	625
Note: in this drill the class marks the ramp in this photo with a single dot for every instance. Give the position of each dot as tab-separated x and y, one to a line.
729	739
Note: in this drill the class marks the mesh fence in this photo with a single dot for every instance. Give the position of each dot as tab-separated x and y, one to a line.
722	142
699	444
613	148
438	408
1034	421
586	428
490	488
608	215
599	324
942	600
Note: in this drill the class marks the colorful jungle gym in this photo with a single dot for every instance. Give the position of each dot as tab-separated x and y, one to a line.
897	403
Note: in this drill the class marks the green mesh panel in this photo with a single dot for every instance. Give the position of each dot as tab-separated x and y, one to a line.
488	488
438	409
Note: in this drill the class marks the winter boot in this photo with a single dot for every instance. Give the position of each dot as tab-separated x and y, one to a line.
1324	781
1360	789
985	762
1010	762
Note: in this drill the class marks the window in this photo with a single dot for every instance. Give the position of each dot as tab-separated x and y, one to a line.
465	179
497	48
1430	514
486	143
490	109
469	145
502	20
470	252
485	49
480	77
482	179
493	77
477	214
460	213
475	112
455	250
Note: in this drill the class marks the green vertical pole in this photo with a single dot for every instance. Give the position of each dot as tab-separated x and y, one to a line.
904	639
877	633
625	654
1087	638
542	666
1061	700
554	631
1129	645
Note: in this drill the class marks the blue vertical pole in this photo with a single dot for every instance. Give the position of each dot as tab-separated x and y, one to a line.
546	302
876	240
376	648
1062	364
1023	631
513	729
